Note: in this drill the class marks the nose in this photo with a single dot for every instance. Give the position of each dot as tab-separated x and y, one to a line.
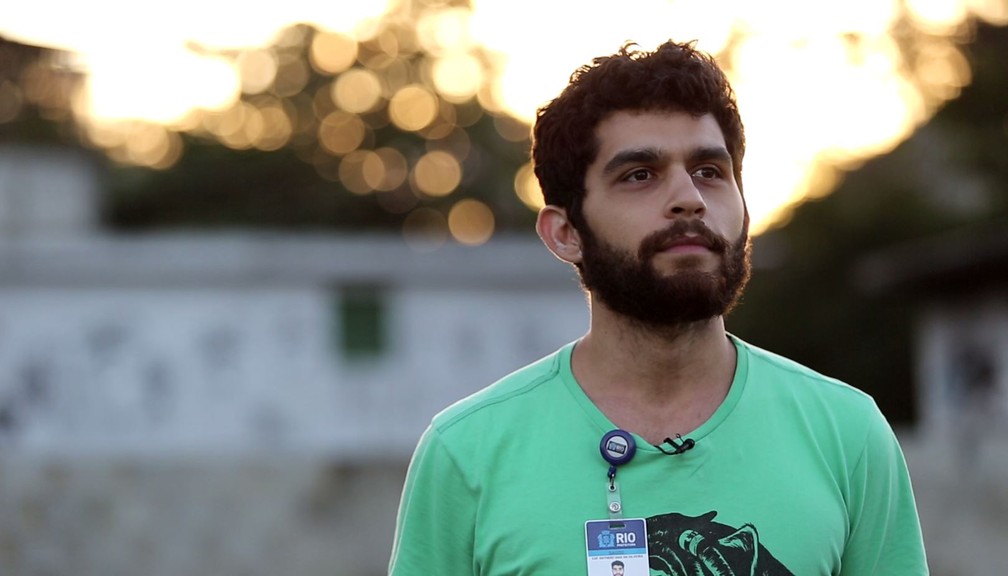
684	199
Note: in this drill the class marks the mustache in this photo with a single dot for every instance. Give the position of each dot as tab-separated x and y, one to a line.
696	230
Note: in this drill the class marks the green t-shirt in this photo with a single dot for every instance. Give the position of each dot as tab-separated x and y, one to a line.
794	473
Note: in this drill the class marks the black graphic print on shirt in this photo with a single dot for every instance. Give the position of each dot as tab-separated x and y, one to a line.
697	546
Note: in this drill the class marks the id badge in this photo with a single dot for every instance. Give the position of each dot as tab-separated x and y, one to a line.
617	547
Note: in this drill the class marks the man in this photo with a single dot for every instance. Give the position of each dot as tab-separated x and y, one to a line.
617	568
737	461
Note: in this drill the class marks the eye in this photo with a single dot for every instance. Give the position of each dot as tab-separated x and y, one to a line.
707	173
638	175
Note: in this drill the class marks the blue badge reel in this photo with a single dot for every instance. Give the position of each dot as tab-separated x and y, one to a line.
617	447
617	546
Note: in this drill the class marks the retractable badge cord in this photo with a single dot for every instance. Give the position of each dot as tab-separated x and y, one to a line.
617	447
616	541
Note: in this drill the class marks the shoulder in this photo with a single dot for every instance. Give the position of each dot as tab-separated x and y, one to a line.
471	430
826	410
781	375
515	393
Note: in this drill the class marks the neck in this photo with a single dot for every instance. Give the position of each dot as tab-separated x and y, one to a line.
655	381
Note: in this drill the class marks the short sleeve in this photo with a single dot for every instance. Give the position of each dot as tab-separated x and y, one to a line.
885	534
435	525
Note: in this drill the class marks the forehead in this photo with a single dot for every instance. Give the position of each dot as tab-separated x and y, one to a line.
672	132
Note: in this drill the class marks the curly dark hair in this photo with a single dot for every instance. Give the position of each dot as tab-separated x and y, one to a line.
674	77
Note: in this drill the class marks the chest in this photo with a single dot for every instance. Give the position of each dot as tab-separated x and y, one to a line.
709	511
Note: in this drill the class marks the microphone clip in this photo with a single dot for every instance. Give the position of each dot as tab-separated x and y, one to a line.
679	447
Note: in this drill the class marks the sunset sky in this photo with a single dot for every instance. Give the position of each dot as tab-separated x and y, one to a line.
817	82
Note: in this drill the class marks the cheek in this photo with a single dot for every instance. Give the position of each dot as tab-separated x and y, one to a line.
620	228
733	211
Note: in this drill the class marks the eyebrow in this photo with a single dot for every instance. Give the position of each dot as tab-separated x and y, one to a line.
650	155
710	154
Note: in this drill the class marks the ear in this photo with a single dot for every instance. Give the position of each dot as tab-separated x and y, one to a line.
558	234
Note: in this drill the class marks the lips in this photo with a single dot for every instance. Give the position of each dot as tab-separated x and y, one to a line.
684	234
688	240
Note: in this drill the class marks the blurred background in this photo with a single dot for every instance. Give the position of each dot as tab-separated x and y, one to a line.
247	250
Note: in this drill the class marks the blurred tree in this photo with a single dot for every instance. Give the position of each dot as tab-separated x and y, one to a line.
36	85
951	174
335	132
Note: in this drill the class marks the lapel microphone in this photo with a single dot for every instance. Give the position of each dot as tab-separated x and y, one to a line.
679	447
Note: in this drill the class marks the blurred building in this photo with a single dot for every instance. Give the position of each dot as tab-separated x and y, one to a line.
243	387
958	454
960	281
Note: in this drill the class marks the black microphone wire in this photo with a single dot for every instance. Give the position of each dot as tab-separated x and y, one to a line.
681	446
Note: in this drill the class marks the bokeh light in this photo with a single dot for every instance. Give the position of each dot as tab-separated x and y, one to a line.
341	132
330	81
292	75
413	108
352	169
258	70
149	145
445	31
385	169
471	222
357	91
437	173
527	188
332	53
457	77
274	127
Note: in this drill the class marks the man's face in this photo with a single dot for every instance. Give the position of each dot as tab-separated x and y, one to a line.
617	570
665	240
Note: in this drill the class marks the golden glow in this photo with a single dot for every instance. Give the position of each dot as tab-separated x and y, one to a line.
341	133
351	171
444	31
396	75
788	62
332	53
384	169
437	173
357	91
873	117
443	124
527	188
995	11
274	129
234	125
413	107
388	42
937	16
471	222
258	69
107	133
158	88
943	69
292	76
457	77
152	145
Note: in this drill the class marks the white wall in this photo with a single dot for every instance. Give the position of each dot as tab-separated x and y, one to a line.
47	191
128	364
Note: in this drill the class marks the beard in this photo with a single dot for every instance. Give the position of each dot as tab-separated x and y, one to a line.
630	285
